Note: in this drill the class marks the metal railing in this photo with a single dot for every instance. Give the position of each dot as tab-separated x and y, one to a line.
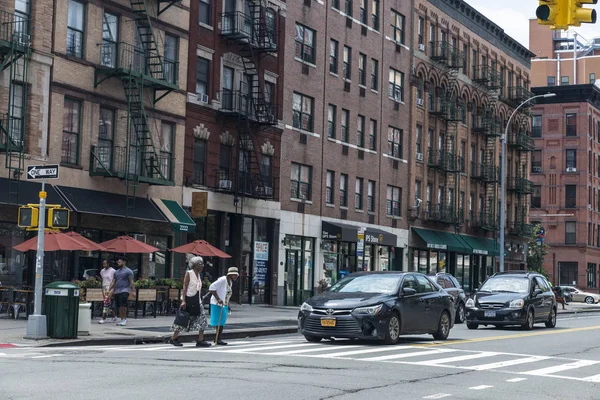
487	76
114	161
520	185
446	54
522	141
241	26
249	184
243	104
11	132
485	172
518	94
14	28
444	160
486	220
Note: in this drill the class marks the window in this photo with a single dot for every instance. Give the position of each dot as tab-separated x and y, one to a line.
592	81
564	80
333	56
374	74
110	38
224	161
393	201
375	14
536	162
345	120
536	197
373	135
358	196
591	275
167	138
266	170
462	156
570	232
396	85
301	182
331	116
170	58
571	159
106	134
75	29
551	81
199	161
202	65
329	187
395	142
570	196
568	273
571	124
362	72
347	67
16	113
302	114
536	126
348	8
360	131
398	26
270	96
363	11
371	196
343	190
335	4
420	28
71	131
419	139
271	26
305	44
204	13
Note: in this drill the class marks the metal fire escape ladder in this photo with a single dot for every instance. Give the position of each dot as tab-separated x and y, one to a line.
453	174
154	61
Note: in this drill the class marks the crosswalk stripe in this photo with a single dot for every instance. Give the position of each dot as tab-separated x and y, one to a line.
560	368
231	346
48	356
457	358
362	351
509	363
593	378
283	346
407	355
302	351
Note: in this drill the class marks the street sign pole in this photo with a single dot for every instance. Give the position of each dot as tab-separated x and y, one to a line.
36	324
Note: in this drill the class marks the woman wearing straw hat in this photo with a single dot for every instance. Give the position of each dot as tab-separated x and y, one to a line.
219	302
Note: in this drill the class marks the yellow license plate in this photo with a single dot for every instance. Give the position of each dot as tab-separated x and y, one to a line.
328	322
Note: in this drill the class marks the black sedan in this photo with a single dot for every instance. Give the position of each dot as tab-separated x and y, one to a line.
378	305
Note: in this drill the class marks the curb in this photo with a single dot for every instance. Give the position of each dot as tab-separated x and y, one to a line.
580	311
141	340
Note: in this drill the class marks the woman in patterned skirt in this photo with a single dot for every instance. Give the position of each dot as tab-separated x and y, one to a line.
192	283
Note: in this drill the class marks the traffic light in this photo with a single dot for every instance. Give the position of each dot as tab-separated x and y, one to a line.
28	217
58	218
581	15
554	13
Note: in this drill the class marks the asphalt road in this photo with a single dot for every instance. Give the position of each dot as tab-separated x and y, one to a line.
489	363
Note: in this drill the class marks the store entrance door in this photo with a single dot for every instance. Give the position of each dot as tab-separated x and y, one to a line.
292	277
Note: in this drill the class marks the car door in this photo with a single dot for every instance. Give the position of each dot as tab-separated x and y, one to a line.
432	300
549	298
541	308
578	296
412	308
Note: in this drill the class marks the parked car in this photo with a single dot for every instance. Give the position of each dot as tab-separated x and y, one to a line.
378	305
91	273
513	298
581	296
451	285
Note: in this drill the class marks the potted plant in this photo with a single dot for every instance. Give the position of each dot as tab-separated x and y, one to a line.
146	290
91	290
175	291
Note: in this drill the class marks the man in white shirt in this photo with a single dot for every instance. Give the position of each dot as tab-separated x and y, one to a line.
107	273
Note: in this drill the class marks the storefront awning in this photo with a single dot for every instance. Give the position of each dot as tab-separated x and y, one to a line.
382	238
442	240
24	192
104	203
180	219
349	233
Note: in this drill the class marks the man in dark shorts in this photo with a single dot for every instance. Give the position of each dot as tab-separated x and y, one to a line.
121	286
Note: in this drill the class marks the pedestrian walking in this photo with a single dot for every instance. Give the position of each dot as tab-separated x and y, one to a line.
219	302
121	286
560	296
192	304
107	273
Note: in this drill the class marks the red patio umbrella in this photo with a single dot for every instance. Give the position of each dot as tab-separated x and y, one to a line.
127	244
53	241
92	246
201	248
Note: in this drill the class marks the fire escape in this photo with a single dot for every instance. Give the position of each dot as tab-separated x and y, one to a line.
446	108
523	144
142	70
15	54
250	107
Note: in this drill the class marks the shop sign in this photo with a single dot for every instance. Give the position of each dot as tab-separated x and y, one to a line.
261	259
372	239
437	246
360	245
482	252
328	235
199	204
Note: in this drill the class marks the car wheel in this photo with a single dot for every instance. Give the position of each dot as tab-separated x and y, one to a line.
528	325
392	332
314	339
589	300
472	326
443	327
551	323
460	313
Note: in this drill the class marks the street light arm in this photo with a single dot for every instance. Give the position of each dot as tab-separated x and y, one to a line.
517	109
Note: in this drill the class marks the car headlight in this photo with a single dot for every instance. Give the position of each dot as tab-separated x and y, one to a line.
470	303
519	303
306	307
372	310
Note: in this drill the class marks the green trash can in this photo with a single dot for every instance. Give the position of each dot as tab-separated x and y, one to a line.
61	307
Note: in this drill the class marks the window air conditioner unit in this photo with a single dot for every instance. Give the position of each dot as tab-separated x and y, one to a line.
537	169
422	47
571	169
419	156
225	184
419	102
589	207
202	97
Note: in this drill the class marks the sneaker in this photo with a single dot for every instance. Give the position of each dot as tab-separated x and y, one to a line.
113	320
203	343
221	343
122	323
101	321
175	342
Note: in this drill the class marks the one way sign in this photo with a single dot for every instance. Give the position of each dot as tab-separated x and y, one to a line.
42	172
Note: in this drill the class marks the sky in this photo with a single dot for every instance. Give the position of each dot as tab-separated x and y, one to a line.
513	16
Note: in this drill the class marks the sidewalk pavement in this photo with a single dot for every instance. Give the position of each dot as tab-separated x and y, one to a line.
244	321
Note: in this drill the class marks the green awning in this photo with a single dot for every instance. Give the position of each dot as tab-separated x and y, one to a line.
442	240
180	220
492	247
481	246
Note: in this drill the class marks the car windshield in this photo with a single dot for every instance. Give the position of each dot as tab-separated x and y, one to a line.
506	284
385	284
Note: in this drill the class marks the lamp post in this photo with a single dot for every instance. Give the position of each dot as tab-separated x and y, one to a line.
503	174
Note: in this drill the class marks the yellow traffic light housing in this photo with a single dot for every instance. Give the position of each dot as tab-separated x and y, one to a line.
28	217
554	13
58	218
581	15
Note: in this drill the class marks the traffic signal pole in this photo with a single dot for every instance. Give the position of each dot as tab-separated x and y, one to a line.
36	324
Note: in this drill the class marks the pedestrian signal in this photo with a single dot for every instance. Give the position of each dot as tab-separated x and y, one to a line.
58	218
28	217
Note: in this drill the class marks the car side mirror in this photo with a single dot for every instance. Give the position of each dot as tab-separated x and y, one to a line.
408	291
537	292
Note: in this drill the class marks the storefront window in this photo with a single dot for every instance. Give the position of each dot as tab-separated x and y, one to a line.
466	274
11	261
330	256
347	259
260	230
247	235
299	269
384	259
308	262
158	264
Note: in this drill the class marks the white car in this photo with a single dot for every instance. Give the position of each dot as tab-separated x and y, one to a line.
581	296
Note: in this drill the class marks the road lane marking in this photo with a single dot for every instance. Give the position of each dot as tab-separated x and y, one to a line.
283	346
406	355
437	396
48	356
514	380
509	363
362	351
458	358
301	351
560	368
480	387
